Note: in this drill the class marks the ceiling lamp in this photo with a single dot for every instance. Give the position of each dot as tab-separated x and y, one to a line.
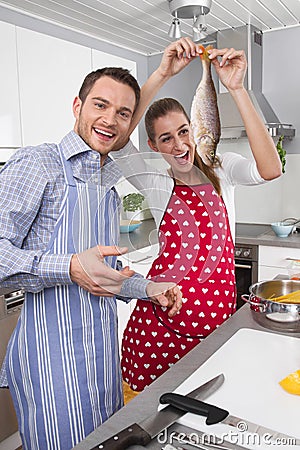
174	30
189	9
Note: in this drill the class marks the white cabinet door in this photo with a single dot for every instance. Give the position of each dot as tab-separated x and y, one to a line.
101	59
274	261
143	266
51	73
266	273
10	126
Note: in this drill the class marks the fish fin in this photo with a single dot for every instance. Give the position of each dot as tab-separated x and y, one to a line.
205	55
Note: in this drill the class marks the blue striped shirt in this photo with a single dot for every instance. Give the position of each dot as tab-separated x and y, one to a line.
32	186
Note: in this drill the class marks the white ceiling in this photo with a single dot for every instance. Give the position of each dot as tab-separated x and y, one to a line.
142	25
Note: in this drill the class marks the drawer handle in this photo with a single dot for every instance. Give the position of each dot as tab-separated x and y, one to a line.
243	266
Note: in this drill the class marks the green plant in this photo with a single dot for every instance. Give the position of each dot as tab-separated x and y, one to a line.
133	202
281	152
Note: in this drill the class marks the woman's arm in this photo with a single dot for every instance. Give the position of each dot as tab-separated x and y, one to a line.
231	69
176	57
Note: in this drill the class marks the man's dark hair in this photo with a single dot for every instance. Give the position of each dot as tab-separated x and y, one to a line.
116	73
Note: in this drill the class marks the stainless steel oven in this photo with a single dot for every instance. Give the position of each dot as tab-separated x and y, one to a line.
246	269
10	307
246	256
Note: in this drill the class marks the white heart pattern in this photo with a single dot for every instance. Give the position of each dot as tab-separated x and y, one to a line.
191	229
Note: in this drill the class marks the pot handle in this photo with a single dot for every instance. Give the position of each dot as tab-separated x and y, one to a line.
247	299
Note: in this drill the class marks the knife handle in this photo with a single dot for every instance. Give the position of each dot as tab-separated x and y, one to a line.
131	435
212	413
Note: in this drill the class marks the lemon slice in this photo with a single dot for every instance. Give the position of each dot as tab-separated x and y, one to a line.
291	383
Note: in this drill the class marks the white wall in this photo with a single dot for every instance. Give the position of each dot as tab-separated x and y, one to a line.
281	85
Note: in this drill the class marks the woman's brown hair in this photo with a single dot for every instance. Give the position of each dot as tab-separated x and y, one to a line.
161	108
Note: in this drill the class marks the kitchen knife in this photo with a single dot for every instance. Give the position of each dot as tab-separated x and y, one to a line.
214	415
150	427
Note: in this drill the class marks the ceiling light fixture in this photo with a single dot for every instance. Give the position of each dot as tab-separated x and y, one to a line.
190	9
200	22
174	30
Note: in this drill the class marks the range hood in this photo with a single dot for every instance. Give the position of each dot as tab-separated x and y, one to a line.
249	39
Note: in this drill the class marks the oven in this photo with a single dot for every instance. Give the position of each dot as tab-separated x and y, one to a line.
10	307
246	269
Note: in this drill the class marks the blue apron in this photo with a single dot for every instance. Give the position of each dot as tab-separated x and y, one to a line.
62	362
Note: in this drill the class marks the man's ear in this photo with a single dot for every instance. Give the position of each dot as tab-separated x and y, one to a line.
77	103
152	146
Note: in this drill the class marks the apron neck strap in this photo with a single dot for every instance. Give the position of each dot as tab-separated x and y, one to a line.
68	173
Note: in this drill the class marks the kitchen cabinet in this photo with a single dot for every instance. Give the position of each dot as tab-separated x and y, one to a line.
38	83
273	261
142	266
10	125
51	72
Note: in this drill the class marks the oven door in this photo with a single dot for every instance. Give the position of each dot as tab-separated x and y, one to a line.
10	307
246	274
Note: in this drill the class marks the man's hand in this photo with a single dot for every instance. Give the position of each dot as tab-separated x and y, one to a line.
165	294
89	270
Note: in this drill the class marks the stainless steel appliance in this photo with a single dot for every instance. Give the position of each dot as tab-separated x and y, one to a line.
248	38
246	269
10	307
246	257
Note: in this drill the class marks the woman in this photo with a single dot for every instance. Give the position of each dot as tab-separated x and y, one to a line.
194	209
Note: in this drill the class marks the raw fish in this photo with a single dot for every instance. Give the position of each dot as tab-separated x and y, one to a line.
205	120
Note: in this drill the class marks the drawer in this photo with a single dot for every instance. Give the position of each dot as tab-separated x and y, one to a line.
277	256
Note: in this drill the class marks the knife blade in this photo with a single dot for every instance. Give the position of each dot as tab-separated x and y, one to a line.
214	415
143	432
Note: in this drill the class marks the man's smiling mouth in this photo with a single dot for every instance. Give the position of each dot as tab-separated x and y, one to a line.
104	133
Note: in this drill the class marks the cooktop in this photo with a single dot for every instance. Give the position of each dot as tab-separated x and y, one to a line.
251	229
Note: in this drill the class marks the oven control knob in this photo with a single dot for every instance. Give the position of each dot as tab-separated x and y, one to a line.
246	253
238	252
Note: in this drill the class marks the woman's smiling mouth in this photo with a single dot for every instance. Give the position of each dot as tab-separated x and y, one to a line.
183	158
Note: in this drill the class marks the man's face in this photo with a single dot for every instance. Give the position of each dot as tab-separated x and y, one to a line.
103	120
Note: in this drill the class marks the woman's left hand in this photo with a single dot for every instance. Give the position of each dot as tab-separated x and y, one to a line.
231	67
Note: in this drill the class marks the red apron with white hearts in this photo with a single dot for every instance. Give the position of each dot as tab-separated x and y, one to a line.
197	253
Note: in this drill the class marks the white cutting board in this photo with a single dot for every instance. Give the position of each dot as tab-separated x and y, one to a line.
253	363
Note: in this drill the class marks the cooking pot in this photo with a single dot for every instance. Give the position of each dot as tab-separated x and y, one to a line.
277	316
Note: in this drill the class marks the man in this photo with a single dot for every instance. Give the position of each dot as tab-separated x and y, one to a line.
59	230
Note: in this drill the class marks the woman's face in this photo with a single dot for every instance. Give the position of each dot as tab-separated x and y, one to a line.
174	140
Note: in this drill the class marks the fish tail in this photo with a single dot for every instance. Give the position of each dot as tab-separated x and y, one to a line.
205	55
